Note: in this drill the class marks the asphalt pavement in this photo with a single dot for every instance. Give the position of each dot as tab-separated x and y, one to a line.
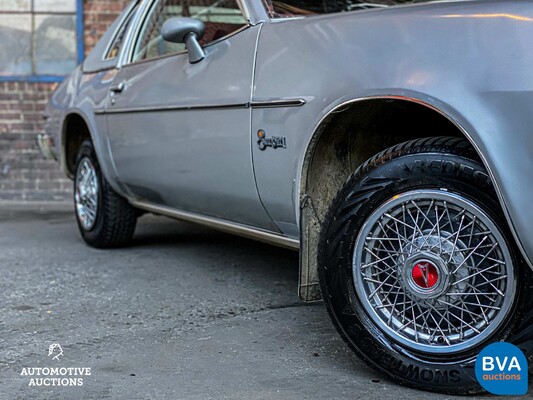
184	313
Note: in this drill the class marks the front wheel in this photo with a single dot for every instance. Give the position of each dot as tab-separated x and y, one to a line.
105	219
417	266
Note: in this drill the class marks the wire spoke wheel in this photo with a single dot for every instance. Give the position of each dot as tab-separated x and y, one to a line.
433	271
418	268
86	194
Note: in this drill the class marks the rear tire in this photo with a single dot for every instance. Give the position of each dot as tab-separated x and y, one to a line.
105	219
378	253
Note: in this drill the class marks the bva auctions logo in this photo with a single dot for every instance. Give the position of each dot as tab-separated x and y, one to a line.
501	368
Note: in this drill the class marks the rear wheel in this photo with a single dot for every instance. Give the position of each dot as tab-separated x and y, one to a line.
105	219
417	266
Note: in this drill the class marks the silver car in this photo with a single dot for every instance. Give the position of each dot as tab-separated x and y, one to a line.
390	143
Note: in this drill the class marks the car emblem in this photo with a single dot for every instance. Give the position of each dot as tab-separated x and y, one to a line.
274	141
425	274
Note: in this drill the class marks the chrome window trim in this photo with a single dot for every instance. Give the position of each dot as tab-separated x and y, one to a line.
377	8
185	52
125	16
133	34
244	10
256	12
296	17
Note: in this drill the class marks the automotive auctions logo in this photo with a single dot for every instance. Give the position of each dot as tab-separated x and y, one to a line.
502	369
52	349
55	376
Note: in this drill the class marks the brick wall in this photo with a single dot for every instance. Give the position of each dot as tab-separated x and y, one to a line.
24	175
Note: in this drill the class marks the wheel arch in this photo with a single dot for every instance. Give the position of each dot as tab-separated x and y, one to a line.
340	137
76	128
74	132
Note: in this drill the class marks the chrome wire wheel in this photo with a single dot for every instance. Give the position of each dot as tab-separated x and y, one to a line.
86	194
433	272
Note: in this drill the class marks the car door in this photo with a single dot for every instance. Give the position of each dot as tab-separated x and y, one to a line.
179	133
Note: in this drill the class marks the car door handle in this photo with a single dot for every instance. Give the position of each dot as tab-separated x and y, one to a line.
118	88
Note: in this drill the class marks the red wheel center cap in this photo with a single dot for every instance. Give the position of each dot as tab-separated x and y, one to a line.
425	274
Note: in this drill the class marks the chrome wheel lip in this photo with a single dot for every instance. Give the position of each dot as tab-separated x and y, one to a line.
450	197
86	193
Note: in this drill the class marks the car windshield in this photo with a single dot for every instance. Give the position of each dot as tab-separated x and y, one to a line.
292	8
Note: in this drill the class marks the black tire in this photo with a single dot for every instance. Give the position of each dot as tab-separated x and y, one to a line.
425	164
115	220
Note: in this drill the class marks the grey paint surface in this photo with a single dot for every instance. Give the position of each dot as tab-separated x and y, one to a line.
438	54
471	61
192	313
198	160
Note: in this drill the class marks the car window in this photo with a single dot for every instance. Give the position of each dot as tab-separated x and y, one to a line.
221	18
115	47
298	8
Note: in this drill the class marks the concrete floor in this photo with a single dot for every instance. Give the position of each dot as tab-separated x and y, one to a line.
184	313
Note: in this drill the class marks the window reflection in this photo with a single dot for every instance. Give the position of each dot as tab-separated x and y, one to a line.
38	37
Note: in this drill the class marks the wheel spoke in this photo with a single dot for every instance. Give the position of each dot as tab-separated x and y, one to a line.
474	274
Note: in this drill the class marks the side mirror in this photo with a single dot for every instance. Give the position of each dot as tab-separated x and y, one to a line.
188	31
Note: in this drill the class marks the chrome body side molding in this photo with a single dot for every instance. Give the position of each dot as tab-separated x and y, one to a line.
222	225
255	104
278	103
171	108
